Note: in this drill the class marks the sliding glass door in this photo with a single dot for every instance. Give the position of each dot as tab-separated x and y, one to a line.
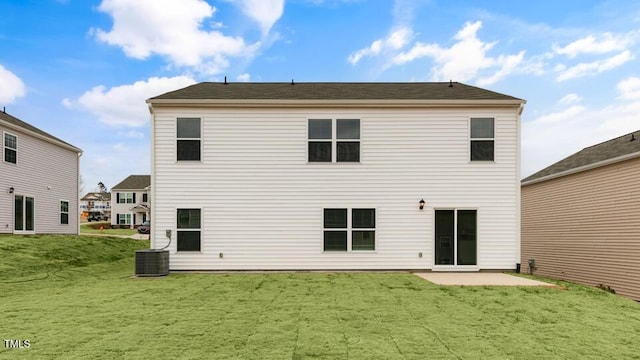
24	214
456	237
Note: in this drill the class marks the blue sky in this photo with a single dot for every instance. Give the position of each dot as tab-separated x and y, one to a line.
81	70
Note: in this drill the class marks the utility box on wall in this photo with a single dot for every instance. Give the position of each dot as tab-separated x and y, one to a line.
152	262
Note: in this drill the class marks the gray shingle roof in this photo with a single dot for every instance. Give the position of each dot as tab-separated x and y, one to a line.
133	182
23	125
333	91
611	149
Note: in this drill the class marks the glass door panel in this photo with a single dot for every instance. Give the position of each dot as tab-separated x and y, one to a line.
444	237
467	230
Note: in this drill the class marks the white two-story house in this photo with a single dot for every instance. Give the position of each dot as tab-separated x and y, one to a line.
268	176
39	180
130	204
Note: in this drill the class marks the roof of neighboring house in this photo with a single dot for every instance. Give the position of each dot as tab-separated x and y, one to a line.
333	91
96	196
133	182
15	122
610	151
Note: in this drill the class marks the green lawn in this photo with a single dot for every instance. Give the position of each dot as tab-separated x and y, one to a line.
87	229
75	298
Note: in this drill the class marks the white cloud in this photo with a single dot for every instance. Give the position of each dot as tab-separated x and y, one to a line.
570	99
508	64
246	77
591	44
630	88
125	105
554	136
454	62
12	86
173	29
595	67
263	12
131	134
396	40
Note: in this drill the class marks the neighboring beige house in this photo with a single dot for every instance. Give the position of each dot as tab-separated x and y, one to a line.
254	176
39	178
96	202
581	217
130	201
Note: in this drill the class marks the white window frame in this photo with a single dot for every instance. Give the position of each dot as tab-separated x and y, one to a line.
349	229
334	139
4	146
482	139
200	229
175	141
127	217
64	212
124	197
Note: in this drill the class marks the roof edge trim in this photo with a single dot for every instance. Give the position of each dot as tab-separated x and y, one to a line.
42	137
328	103
583	168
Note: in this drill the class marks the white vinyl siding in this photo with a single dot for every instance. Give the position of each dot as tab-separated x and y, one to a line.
262	203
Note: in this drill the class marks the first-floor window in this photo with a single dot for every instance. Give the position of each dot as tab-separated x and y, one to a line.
352	229
189	227
124	219
64	212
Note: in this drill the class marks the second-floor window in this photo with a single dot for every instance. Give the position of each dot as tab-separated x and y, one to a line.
10	148
334	140
145	198
188	139
482	139
126	198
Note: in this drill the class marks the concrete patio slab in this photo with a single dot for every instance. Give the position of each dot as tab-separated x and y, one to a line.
479	279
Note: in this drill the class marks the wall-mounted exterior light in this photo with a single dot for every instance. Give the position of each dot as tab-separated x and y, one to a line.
421	204
11	190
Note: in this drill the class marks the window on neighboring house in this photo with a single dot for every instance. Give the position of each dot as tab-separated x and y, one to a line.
327	145
188	139
126	198
64	212
189	227
144	197
482	139
10	148
355	232
124	219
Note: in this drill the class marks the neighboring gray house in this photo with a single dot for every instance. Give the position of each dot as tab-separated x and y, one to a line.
253	176
39	180
130	201
581	217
